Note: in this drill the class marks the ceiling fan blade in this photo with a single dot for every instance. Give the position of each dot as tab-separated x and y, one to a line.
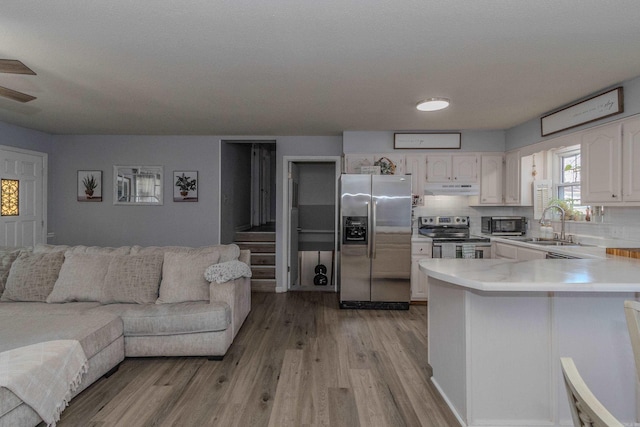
15	95
13	66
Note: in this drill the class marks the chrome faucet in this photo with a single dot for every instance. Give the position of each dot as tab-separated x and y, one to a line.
562	235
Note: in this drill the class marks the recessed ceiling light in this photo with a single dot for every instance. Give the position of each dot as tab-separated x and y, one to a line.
433	104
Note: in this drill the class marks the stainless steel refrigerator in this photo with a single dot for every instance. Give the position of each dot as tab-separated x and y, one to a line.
375	244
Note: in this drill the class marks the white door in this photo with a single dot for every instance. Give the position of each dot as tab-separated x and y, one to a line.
27	168
294	179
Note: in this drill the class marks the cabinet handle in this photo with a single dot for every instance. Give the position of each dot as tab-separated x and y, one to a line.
614	196
455	177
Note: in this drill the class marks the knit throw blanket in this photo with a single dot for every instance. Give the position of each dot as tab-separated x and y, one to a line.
44	375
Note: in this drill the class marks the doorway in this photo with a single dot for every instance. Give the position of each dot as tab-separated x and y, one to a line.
310	218
247	187
24	179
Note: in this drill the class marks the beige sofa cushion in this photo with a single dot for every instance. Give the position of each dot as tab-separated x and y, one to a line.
227	252
183	276
80	249
7	256
32	276
169	319
133	278
81	278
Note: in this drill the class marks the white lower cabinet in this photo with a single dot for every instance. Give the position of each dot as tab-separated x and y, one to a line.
507	251
419	280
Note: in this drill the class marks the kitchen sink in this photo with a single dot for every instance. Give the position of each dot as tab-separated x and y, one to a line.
554	243
544	242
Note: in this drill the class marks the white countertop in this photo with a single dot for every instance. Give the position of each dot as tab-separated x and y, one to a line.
545	275
576	251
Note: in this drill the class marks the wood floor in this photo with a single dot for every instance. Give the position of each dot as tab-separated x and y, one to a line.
298	361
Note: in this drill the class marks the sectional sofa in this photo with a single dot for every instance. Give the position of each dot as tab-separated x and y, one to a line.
120	302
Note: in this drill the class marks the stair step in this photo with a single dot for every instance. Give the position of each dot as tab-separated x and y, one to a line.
263	285
258	247
265	272
255	236
263	259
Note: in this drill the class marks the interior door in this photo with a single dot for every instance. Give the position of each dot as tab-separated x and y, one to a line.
294	180
27	227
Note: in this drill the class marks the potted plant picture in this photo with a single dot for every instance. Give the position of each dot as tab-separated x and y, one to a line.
89	186
186	186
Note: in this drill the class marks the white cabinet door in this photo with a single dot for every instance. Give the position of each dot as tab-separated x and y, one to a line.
631	162
503	250
491	170
353	162
416	167
464	168
419	280
601	151
526	254
439	168
512	178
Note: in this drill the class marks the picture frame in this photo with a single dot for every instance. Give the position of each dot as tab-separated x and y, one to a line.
185	186
138	185
440	140
89	186
597	107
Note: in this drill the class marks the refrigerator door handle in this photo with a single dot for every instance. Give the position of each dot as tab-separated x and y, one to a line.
369	229
374	209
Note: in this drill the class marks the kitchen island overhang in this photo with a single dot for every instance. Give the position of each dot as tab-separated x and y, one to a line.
497	329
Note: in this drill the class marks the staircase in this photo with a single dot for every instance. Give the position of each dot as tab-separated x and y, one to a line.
262	245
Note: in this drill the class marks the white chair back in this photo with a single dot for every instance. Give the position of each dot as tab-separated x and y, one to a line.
632	313
586	410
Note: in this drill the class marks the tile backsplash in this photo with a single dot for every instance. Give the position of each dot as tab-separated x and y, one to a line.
621	224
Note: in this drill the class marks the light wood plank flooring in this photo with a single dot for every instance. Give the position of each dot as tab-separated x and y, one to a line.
298	361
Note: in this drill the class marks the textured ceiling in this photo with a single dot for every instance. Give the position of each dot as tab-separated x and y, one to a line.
302	67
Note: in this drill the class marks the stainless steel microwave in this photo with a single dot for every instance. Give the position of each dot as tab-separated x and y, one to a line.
504	225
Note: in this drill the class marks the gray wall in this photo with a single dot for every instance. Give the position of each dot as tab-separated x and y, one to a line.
192	224
528	133
382	142
104	224
27	139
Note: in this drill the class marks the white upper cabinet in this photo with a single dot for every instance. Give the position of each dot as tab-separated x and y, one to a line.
491	171
631	165
465	168
416	167
601	151
354	162
439	168
461	168
512	178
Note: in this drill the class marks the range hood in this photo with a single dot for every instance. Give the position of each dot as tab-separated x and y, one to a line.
451	189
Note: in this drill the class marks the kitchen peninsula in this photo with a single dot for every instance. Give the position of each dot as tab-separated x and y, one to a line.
497	329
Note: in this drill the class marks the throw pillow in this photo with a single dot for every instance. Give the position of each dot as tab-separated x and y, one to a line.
81	278
225	271
6	259
133	279
183	276
32	276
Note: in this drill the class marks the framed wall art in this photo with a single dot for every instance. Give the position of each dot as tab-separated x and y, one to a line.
448	140
185	186
595	108
89	186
